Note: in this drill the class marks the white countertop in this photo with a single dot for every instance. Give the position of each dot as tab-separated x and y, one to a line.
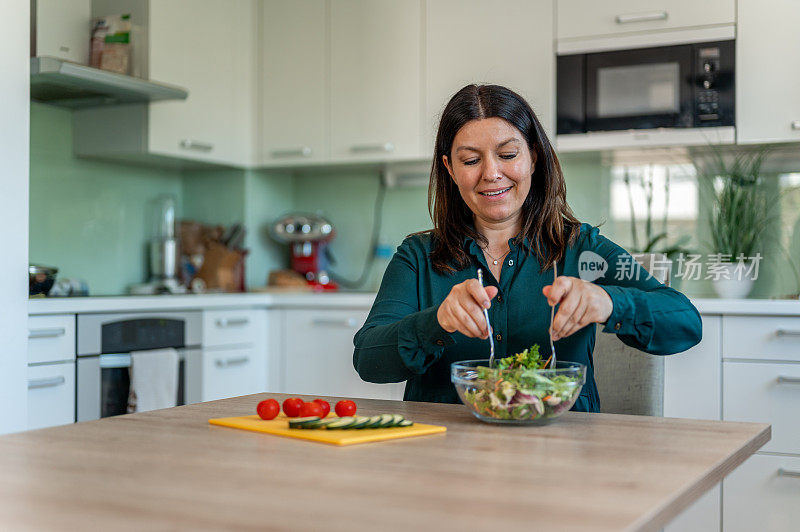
68	305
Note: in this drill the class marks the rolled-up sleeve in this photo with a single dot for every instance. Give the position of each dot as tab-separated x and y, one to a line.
646	314
399	339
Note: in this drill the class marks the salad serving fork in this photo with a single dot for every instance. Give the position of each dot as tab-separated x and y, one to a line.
552	314
488	325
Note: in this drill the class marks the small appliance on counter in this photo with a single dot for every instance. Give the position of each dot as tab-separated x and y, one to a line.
308	236
163	251
42	282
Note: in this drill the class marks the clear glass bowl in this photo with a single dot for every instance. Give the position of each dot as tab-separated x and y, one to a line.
515	396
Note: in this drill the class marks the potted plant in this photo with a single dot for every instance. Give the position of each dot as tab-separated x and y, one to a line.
740	214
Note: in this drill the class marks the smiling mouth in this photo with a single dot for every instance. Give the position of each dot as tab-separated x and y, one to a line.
495	192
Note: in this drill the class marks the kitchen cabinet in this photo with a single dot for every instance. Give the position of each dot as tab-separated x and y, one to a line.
375	79
51	395
318	357
522	60
207	47
63	29
767	47
293	91
51	338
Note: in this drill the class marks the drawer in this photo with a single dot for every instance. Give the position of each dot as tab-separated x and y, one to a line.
761	337
233	327
762	494
233	372
51	338
51	395
579	19
764	393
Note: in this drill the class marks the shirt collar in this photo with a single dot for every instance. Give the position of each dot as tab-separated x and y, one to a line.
471	246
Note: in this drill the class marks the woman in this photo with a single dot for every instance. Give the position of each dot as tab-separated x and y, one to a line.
498	202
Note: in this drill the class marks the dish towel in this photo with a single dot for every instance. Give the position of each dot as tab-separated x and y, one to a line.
154	380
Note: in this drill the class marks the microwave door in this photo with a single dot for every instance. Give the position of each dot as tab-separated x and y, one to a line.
639	89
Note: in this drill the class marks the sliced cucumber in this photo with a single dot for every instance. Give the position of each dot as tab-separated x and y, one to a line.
396	420
360	423
374	422
341	423
387	420
405	423
300	422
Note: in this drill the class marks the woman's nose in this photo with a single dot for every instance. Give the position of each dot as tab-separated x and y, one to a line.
491	170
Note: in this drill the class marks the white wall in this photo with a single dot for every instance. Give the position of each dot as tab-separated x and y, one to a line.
14	134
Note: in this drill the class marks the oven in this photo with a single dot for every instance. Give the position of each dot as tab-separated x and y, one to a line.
104	345
681	86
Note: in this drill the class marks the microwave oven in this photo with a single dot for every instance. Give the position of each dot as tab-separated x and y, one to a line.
680	86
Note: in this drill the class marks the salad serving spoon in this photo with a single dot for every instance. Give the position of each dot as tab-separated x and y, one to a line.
552	313
488	325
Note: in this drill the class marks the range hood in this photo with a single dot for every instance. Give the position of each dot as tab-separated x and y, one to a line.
75	86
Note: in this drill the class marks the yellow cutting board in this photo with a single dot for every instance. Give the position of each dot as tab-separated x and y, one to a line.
280	427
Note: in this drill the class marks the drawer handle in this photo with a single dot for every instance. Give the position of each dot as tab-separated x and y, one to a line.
788	473
46	383
783	379
333	322
54	332
795	125
188	144
231	362
233	322
641	17
386	147
787	332
304	151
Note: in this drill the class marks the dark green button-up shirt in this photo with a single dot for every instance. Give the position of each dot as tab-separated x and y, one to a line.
403	341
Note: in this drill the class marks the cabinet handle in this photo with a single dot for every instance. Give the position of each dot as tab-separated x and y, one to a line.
788	473
305	151
795	125
233	322
188	144
54	332
787	332
386	147
46	383
641	17
335	322
783	379
231	362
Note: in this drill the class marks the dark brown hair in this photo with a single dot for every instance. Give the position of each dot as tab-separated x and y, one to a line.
547	220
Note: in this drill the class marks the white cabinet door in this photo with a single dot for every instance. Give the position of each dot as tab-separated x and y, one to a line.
294	96
51	395
375	79
63	29
235	327
319	355
692	379
702	516
762	494
207	47
231	372
51	338
767	77
522	60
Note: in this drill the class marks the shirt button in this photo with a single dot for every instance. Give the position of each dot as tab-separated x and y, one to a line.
439	342
499	298
617	326
499	337
510	262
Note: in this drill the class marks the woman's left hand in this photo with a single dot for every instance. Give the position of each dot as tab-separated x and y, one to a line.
580	303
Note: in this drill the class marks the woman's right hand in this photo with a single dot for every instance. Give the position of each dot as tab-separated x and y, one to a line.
462	309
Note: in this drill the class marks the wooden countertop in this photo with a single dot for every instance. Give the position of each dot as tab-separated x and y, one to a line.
170	469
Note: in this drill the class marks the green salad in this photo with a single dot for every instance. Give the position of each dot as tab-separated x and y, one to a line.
516	389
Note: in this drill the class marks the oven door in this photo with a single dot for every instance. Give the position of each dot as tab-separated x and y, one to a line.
640	89
103	383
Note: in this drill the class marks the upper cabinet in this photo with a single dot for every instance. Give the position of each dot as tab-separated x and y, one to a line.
375	79
767	82
206	46
522	60
62	28
293	95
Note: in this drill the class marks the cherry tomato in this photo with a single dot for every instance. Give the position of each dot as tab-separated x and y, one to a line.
311	409
345	408
291	406
268	409
326	407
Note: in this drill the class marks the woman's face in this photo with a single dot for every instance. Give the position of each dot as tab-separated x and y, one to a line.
492	166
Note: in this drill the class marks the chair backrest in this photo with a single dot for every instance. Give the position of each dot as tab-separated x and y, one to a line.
630	381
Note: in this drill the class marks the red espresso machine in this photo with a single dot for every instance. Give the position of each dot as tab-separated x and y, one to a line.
307	236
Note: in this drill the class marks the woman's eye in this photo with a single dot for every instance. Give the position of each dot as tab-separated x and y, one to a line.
471	162
508	155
